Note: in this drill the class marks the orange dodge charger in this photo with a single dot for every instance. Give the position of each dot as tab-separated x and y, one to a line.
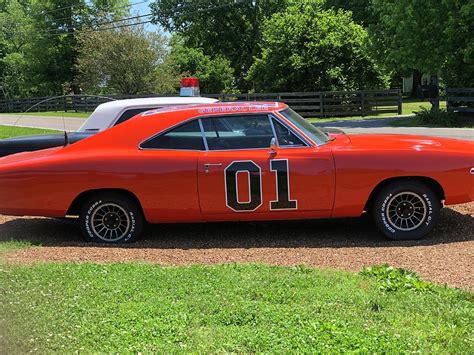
237	162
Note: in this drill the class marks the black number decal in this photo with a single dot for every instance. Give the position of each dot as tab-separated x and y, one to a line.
255	185
283	201
254	178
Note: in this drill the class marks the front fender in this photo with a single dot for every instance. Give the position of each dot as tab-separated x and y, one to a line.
359	173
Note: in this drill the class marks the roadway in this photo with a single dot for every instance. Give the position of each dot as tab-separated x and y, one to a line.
357	126
46	122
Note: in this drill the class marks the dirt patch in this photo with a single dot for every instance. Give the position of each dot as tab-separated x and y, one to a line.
445	256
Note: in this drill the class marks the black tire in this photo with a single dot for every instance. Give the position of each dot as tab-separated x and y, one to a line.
406	210
121	217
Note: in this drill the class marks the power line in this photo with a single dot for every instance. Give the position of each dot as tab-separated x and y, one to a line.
70	17
58	9
114	27
90	30
123	19
142	22
58	31
80	5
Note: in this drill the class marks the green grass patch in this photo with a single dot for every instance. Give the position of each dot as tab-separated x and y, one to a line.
13	244
392	279
134	307
51	114
412	106
10	131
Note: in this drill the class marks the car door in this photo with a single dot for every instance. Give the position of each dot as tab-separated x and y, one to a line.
241	174
168	177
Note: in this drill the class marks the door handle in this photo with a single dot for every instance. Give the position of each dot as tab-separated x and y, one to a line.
208	165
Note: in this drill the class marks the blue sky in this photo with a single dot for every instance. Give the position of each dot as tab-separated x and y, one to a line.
143	9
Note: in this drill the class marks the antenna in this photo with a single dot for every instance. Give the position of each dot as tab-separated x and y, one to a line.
66	139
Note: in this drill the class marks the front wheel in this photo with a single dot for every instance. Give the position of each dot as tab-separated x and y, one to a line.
406	210
111	218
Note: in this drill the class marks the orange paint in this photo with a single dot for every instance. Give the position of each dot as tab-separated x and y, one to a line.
330	180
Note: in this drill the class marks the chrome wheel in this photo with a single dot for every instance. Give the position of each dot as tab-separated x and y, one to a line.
406	211
110	222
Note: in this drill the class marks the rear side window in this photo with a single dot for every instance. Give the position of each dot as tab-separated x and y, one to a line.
185	137
238	132
126	115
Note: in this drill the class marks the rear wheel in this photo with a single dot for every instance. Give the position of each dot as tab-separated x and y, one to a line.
111	218
406	210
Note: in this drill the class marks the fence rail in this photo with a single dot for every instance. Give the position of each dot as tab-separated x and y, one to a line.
460	99
330	103
77	103
308	104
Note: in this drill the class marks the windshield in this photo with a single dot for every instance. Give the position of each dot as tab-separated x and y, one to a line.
307	128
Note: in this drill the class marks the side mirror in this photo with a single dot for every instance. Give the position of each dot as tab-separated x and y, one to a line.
273	146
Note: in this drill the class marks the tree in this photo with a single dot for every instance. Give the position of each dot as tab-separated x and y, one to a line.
215	74
38	43
16	31
126	60
432	36
306	48
362	11
219	28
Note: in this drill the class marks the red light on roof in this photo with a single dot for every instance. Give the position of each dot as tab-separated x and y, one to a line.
189	82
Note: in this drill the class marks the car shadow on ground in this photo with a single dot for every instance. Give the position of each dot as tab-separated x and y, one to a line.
335	233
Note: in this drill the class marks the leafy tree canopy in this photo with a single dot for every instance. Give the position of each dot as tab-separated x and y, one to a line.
38	44
432	36
362	11
215	74
307	48
219	28
126	60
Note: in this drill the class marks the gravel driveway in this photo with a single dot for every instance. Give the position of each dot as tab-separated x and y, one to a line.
446	256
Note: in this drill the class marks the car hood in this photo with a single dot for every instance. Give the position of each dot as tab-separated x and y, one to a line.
408	142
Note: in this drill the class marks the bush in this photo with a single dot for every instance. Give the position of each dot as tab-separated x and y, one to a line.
436	117
389	278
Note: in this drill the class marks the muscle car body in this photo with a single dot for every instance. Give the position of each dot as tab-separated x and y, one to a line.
237	162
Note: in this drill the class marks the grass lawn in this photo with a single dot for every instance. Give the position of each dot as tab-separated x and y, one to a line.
412	106
53	114
131	307
10	131
13	245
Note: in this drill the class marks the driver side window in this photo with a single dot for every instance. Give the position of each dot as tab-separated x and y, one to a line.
238	132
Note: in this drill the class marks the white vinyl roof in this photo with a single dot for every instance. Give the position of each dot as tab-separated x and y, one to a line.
106	114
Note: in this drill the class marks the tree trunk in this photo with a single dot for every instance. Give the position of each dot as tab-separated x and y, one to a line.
435	101
416	82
